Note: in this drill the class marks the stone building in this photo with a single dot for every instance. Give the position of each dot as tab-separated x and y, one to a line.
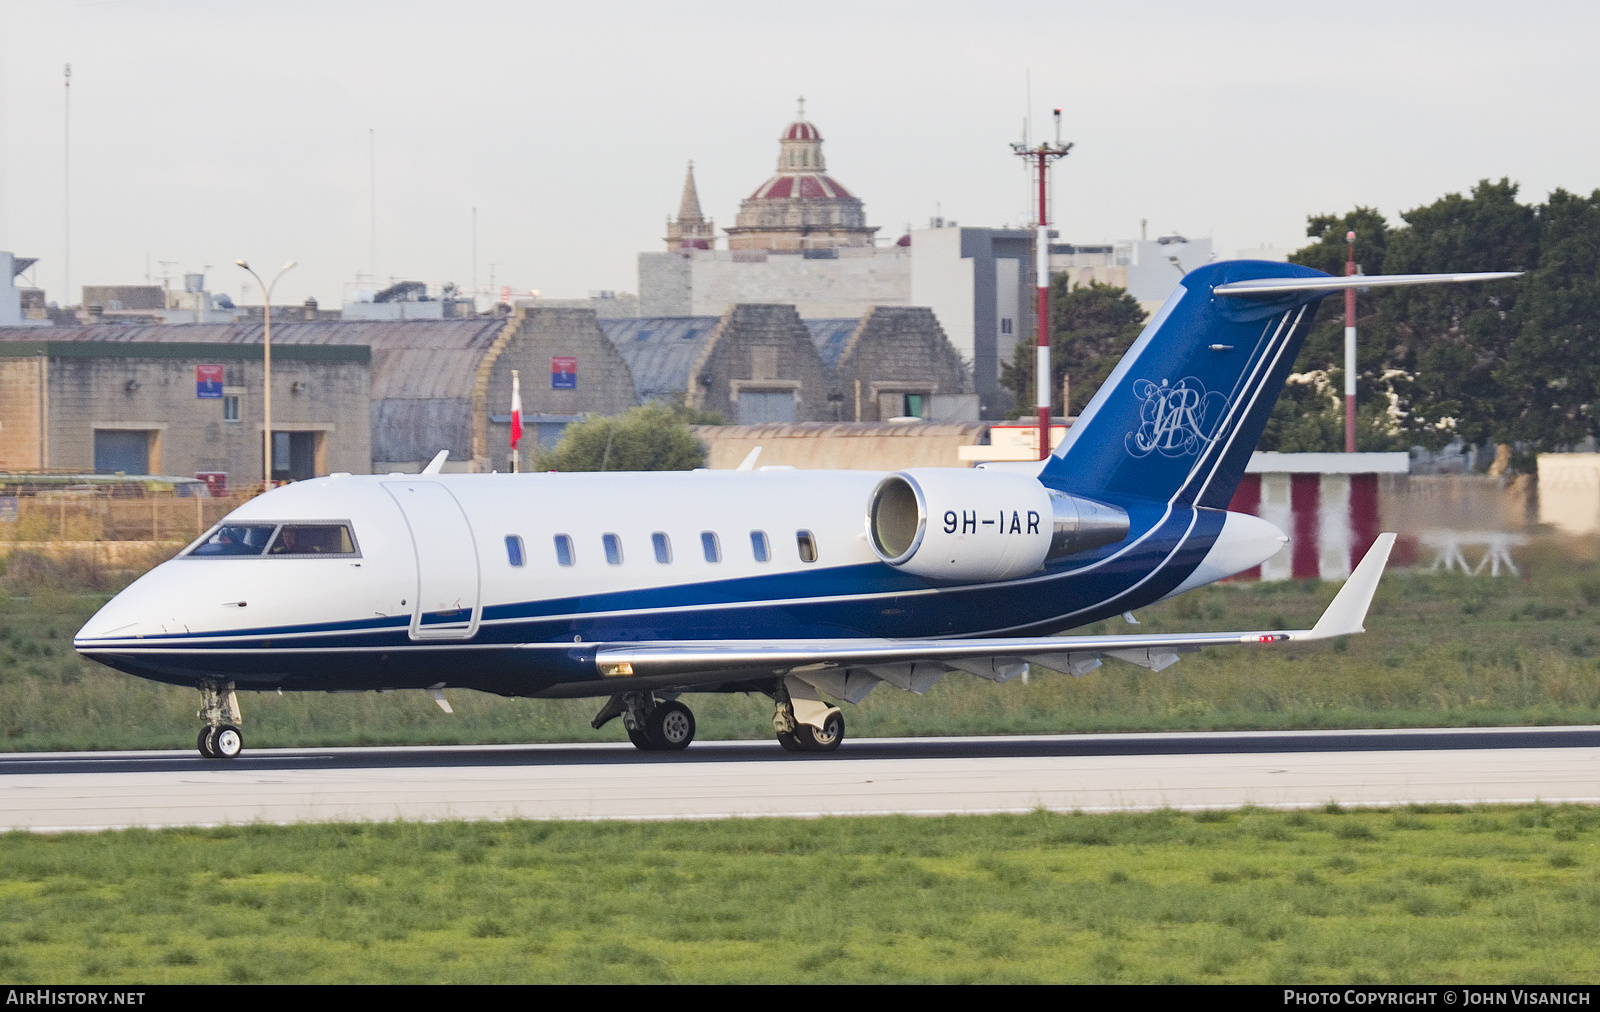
756	363
895	362
176	407
800	238
568	369
763	364
419	386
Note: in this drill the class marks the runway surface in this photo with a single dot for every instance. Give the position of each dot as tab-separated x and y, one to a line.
80	791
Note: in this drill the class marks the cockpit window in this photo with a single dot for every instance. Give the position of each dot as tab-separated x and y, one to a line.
312	539
235	539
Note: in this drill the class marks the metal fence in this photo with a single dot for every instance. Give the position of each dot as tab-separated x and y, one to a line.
90	517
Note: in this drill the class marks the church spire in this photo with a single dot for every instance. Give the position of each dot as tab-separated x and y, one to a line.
689	206
692	230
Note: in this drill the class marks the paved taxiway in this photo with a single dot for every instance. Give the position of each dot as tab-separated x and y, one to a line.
55	791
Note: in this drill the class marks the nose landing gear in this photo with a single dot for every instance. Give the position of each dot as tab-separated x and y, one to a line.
219	708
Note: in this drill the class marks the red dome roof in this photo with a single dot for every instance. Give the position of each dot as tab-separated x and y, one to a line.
800	130
806	186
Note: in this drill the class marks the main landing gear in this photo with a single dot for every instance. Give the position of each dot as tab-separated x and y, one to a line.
802	733
219	708
654	725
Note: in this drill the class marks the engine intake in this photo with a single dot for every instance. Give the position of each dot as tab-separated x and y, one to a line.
982	525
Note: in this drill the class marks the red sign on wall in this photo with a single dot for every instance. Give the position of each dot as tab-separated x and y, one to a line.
563	373
208	382
216	482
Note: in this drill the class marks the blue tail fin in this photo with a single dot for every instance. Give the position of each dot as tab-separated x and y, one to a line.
1180	415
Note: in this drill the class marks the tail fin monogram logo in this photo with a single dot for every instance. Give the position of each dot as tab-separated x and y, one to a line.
1173	416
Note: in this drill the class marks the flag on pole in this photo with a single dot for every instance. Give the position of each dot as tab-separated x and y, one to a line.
516	409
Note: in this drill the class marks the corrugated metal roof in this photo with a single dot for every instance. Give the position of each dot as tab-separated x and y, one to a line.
830	337
660	350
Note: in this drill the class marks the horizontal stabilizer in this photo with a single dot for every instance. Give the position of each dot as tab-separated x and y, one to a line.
1262	287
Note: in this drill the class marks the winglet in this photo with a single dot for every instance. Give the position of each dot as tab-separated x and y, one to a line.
436	465
749	461
1348	610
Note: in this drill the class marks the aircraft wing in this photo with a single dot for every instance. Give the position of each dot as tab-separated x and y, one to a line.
1344	616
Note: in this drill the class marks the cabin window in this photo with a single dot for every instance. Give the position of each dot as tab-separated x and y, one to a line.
711	546
514	553
759	546
564	550
312	539
234	540
613	549
663	546
807	545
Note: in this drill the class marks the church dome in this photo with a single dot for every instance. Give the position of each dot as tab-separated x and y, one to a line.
800	130
801	207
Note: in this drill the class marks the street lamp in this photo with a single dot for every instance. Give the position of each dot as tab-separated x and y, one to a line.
266	358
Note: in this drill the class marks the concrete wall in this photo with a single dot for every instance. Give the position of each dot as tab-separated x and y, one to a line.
710	282
956	271
896	349
666	281
762	349
22	382
868	446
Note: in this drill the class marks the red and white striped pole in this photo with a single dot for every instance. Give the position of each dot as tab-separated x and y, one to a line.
1040	158
1350	347
1041	369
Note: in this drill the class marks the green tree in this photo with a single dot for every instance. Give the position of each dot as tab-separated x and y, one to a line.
1091	326
652	437
1434	361
1551	373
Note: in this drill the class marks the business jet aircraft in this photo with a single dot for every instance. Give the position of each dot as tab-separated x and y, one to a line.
638	587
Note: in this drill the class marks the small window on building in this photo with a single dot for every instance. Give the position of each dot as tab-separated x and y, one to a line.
711	546
1005	325
312	539
230	407
613	549
913	405
564	550
663	546
514	553
807	545
759	546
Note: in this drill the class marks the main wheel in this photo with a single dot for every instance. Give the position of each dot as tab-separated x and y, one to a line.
824	740
670	726
227	743
640	739
206	743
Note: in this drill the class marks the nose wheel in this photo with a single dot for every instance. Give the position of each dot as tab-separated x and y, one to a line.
224	742
219	708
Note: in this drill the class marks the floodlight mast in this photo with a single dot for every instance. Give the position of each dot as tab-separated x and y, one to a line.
1040	159
1350	346
266	366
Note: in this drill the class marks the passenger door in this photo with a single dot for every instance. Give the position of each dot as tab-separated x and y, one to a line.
447	605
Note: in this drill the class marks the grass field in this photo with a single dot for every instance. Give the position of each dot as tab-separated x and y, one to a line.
1417	895
1441	650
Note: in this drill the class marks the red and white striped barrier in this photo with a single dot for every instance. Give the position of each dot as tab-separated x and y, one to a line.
1327	503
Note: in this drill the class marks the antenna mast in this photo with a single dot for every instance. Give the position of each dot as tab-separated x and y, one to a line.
1040	158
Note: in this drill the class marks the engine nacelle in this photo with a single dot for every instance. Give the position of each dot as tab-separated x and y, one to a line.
979	525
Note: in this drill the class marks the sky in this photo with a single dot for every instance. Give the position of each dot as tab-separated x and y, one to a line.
205	132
